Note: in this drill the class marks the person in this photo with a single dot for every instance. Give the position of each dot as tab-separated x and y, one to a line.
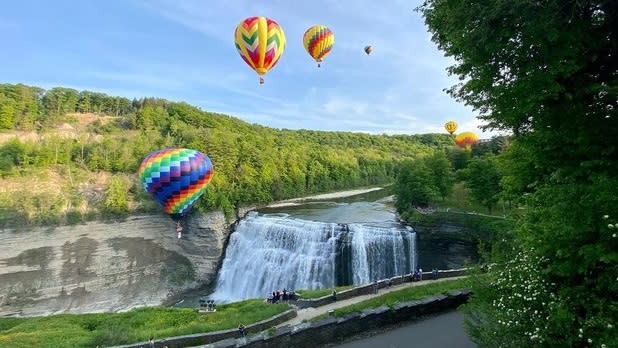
434	273
334	295
375	286
241	330
178	230
151	343
420	273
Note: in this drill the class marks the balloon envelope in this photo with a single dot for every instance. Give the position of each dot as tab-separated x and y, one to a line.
318	41
466	140
260	41
450	126
176	178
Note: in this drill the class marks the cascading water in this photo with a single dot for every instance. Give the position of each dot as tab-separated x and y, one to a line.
275	251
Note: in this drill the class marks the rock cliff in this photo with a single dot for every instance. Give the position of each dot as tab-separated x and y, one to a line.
101	266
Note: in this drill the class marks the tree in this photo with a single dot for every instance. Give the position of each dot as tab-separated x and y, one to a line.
7	115
546	70
442	173
116	200
414	185
483	181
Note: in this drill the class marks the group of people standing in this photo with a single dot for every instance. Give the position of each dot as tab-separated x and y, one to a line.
278	296
418	274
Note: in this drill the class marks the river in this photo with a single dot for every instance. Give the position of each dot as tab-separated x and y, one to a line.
320	244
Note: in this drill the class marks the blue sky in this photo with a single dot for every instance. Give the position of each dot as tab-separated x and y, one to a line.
183	50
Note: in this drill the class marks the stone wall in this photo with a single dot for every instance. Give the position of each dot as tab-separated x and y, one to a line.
226	335
332	330
368	288
99	266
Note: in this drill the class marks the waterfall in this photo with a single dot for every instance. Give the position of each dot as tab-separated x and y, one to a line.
275	251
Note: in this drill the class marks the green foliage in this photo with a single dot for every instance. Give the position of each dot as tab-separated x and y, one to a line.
116	201
513	304
546	71
253	164
441	172
414	185
484	181
138	325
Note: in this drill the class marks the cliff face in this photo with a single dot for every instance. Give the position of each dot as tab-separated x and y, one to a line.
107	266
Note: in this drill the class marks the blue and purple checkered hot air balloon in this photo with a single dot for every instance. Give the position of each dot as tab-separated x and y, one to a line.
176	178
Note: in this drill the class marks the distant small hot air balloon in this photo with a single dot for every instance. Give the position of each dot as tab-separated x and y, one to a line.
466	140
176	178
368	49
260	41
450	126
318	41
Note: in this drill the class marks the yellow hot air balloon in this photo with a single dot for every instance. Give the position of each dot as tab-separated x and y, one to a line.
318	41
450	126
466	140
260	41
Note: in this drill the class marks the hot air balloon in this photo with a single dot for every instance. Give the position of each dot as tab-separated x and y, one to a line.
466	140
450	126
260	41
368	49
318	41
176	178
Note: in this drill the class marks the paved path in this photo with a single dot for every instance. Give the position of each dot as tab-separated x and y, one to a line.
309	313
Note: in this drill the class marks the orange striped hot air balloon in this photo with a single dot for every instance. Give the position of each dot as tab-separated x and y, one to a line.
260	41
318	41
466	140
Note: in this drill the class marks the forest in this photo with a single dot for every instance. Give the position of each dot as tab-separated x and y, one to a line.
78	153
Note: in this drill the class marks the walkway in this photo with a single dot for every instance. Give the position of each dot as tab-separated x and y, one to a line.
309	313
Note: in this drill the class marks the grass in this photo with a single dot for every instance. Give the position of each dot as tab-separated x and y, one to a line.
310	294
107	329
404	295
460	199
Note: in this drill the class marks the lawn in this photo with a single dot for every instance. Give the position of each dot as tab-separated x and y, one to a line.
405	295
106	329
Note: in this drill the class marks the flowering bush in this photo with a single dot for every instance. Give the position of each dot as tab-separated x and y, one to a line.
517	305
511	306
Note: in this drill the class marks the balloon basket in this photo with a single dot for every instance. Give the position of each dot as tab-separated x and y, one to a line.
261	80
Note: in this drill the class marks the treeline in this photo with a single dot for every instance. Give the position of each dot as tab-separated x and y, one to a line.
253	163
429	180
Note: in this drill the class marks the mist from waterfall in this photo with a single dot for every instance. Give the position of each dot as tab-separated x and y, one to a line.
269	252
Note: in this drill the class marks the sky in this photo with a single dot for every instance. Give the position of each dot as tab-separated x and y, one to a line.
183	50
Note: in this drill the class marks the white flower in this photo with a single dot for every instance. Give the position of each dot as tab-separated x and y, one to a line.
603	345
581	330
590	340
610	226
609	326
605	217
614	235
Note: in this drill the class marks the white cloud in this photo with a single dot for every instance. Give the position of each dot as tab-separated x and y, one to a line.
338	105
